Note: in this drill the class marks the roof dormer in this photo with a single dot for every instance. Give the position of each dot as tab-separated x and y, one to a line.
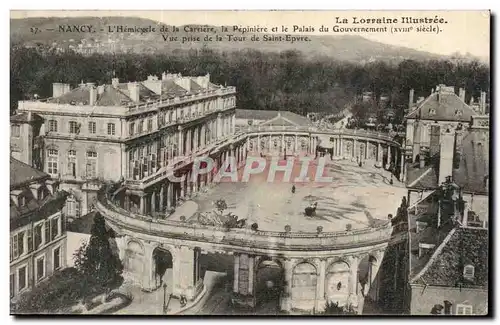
15	195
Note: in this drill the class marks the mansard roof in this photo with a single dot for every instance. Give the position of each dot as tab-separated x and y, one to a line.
443	105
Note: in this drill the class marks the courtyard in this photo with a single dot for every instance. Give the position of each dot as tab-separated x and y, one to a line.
356	197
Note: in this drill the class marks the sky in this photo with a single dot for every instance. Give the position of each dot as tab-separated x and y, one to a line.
464	32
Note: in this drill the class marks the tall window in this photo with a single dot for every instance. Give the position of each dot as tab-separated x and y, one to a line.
72	207
16	130
52	159
111	128
73	127
22	276
40	268
38	235
131	129
52	126
57	258
91	164
92	127
150	125
72	162
140	128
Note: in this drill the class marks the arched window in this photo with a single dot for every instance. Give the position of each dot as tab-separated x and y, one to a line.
91	164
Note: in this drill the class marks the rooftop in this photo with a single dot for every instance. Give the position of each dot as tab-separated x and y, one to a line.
280	118
443	105
21	174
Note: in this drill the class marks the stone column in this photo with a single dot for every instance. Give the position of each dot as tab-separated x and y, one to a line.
170	194
142	206
270	144
366	149
389	158
258	143
380	154
236	273
185	262
148	276
251	275
282	142
180	145
127	202
341	148
286	299
183	188
219	126
320	287
354	145
295	148
402	174
153	202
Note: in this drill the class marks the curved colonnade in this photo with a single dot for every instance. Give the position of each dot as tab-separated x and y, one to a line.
313	268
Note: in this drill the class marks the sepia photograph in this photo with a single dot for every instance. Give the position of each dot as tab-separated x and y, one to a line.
250	163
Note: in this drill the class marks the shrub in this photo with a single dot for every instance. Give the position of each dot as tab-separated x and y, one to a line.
319	229
255	226
288	228
348	227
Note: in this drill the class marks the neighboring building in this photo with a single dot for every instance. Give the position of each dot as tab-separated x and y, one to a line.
37	227
88	135
440	238
441	109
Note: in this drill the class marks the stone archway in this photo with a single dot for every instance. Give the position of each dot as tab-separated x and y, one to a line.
134	261
269	284
304	284
163	262
337	283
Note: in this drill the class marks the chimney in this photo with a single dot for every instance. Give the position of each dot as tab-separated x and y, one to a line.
153	84
422	161
447	151
34	189
59	89
184	82
482	104
164	76
51	185
412	94
93	94
115	82
461	94
133	88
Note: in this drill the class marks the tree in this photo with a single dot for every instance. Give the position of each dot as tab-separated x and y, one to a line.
99	267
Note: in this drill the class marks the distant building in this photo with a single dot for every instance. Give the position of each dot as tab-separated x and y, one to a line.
37	227
254	117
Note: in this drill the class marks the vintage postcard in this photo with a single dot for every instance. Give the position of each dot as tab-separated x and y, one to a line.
249	162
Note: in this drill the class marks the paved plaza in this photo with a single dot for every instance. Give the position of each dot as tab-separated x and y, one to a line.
359	196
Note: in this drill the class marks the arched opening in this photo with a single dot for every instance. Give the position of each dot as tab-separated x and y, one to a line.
134	260
337	283
366	273
217	269
162	265
269	284
304	280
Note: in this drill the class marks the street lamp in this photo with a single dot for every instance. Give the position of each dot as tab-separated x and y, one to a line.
164	298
